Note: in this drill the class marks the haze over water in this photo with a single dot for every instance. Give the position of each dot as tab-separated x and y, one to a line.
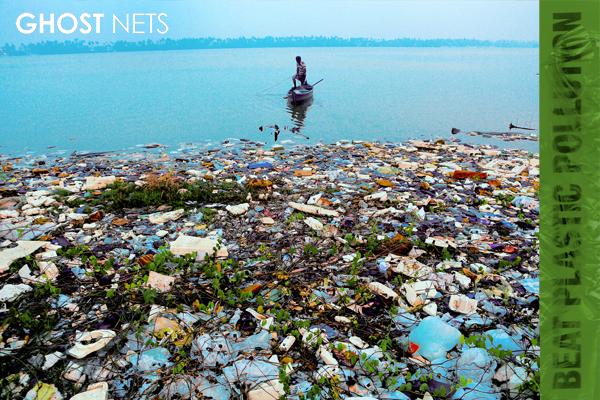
115	101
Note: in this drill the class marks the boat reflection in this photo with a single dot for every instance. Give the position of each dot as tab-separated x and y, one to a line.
298	113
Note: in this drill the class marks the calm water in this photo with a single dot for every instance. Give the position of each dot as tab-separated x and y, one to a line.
116	101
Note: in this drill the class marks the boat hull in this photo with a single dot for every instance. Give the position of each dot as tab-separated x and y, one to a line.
300	95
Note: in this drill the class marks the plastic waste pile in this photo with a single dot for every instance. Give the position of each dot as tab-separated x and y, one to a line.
350	270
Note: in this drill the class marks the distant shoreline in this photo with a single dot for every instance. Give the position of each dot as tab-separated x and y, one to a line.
82	47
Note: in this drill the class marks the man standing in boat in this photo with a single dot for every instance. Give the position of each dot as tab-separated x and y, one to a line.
300	72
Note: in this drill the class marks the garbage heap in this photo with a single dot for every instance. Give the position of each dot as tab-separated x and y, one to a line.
350	270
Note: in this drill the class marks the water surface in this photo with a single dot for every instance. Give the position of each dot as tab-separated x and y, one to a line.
115	101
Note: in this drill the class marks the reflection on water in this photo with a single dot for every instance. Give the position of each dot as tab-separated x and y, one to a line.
298	114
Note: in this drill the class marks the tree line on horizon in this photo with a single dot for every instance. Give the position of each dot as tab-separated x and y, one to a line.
83	46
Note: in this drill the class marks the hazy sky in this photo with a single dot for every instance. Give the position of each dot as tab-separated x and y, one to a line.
479	19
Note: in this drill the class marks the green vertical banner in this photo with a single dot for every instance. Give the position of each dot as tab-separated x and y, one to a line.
570	199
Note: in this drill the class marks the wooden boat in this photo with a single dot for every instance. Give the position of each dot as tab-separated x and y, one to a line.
300	94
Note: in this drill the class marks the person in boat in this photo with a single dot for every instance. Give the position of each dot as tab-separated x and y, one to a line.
300	72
